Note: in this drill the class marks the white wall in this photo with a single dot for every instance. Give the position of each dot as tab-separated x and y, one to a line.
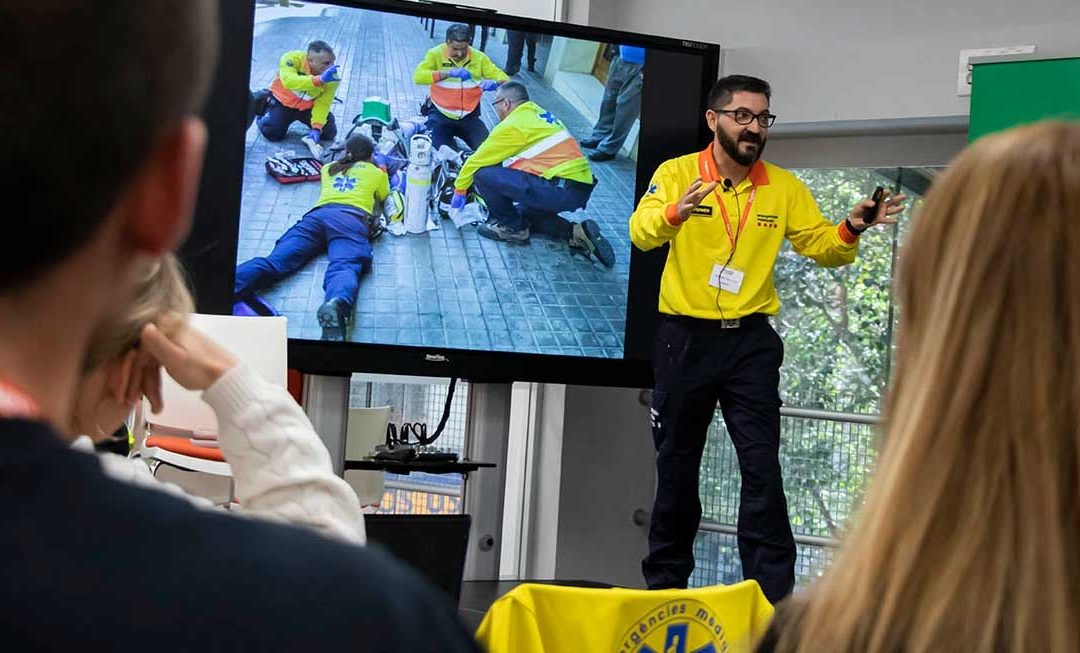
865	151
543	9
832	60
591	466
587	12
608	472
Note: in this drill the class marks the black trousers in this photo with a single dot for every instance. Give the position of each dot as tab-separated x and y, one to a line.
696	364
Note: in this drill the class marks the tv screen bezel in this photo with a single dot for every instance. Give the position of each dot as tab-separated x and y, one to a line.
210	251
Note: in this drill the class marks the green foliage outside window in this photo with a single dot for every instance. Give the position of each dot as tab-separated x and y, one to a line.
837	325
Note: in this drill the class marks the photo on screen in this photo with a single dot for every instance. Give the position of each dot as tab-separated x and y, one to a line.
363	220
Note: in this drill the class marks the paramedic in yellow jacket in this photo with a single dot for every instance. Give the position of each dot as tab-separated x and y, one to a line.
458	76
724	214
342	223
302	91
528	171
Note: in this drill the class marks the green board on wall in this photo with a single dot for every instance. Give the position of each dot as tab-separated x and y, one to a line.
1013	93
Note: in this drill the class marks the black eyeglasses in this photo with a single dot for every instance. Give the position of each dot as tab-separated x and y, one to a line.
745	116
499	101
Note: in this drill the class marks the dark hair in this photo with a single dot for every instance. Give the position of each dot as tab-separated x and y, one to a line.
725	87
321	46
514	91
459	32
71	142
358	148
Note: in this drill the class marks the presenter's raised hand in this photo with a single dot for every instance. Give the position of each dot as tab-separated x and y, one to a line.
694	195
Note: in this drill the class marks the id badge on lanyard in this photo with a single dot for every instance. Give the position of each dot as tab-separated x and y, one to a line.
723	277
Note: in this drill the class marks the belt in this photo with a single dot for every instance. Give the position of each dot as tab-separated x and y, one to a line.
752	320
563	182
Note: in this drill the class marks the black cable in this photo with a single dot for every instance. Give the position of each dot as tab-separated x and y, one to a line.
415	433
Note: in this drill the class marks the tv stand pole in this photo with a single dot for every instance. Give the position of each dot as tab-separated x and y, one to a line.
326	402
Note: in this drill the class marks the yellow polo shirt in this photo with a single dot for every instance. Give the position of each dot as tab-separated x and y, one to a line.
554	619
781	207
361	185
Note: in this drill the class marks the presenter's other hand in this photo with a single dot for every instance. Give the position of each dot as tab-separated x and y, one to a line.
889	206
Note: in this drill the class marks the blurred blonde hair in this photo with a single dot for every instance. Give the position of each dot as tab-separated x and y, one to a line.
161	296
969	539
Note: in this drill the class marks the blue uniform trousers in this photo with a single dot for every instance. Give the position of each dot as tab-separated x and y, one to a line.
339	230
517	199
275	123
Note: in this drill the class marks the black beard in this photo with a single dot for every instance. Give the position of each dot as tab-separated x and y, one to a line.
731	147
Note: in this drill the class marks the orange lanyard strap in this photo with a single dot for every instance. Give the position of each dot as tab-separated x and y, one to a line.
734	238
16	404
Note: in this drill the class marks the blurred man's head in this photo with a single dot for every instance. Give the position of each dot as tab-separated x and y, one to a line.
101	153
458	37
320	56
509	97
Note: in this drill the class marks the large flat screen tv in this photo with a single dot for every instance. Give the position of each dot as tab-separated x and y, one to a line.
290	219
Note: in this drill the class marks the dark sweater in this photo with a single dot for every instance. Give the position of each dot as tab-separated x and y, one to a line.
77	549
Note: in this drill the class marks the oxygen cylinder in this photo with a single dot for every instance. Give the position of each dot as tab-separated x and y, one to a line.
418	184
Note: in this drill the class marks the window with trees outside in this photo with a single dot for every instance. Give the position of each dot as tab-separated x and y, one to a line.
837	326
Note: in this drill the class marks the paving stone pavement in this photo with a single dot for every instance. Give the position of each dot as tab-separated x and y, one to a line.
450	287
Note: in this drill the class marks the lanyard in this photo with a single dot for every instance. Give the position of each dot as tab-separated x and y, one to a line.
734	238
16	404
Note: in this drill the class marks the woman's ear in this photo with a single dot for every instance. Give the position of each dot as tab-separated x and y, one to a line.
117	376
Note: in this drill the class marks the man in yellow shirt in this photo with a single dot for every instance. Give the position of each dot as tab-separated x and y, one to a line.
458	76
528	171
724	213
342	223
302	91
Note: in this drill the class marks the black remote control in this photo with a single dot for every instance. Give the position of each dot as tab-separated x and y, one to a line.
870	214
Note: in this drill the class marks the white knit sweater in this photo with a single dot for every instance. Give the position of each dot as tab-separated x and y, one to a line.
281	468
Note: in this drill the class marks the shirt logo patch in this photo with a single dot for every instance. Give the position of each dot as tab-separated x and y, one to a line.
652	190
549	118
676	627
766	221
344	183
701	209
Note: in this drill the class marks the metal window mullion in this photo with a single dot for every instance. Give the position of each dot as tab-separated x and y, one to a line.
829	415
731	529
